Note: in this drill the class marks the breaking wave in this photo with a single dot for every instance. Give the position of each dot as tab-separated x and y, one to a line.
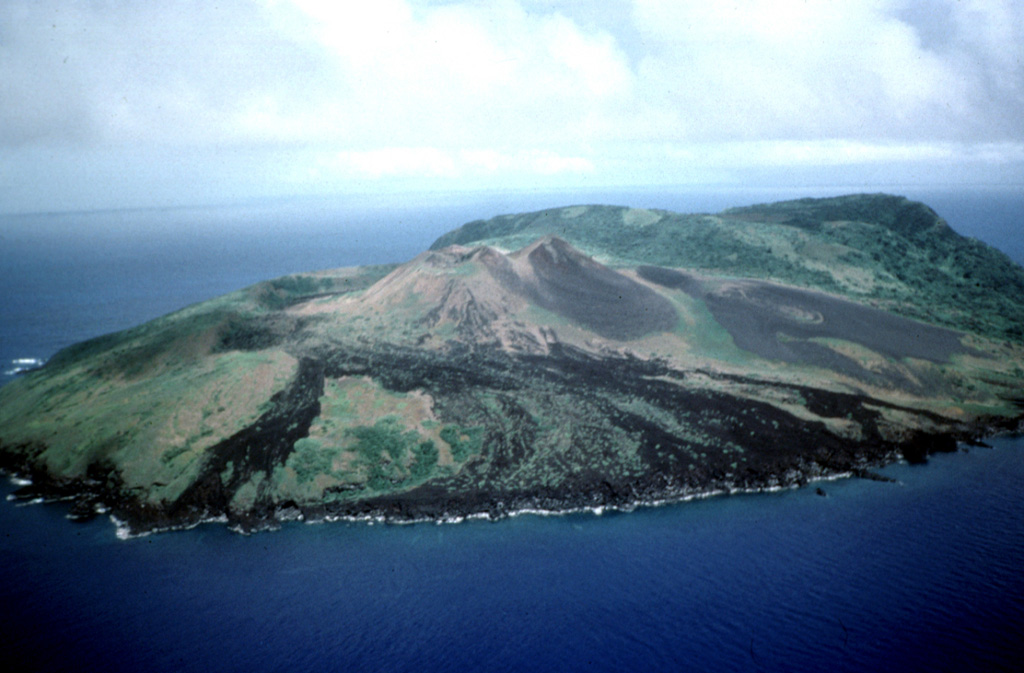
19	365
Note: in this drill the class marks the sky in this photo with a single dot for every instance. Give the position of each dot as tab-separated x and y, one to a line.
109	104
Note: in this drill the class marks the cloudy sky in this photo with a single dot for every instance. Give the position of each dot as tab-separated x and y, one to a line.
106	103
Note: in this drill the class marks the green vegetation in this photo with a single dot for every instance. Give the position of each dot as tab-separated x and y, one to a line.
289	290
383	457
383	449
425	457
132	352
156	428
311	458
464	442
247	494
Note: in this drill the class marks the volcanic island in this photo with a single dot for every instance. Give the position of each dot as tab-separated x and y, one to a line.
584	357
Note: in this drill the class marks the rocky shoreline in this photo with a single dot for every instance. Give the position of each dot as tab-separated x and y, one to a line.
89	499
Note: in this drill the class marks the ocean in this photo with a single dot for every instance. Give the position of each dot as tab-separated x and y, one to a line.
922	574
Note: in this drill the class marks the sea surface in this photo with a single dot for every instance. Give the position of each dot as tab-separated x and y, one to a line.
924	574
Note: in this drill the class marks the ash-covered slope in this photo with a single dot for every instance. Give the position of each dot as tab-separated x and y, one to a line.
475	380
567	282
483	296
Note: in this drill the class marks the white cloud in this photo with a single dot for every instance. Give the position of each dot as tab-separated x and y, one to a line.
504	90
397	161
459	75
793	68
812	153
432	162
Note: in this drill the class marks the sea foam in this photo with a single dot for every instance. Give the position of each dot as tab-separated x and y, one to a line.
23	365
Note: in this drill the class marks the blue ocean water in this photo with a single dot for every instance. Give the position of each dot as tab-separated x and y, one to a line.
923	575
920	575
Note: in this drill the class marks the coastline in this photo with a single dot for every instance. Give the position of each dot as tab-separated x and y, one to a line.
88	504
872	553
124	530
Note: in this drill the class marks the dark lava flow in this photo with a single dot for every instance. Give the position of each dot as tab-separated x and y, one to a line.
778	323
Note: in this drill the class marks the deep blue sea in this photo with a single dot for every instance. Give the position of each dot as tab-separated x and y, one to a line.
923	575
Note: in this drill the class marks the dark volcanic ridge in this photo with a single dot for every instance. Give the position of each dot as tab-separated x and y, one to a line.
606	302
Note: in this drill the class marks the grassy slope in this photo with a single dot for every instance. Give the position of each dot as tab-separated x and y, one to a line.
159	405
152	399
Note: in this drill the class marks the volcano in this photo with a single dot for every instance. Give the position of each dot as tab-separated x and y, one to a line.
556	361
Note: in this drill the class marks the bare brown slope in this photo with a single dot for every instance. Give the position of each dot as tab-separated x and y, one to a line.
481	291
567	282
